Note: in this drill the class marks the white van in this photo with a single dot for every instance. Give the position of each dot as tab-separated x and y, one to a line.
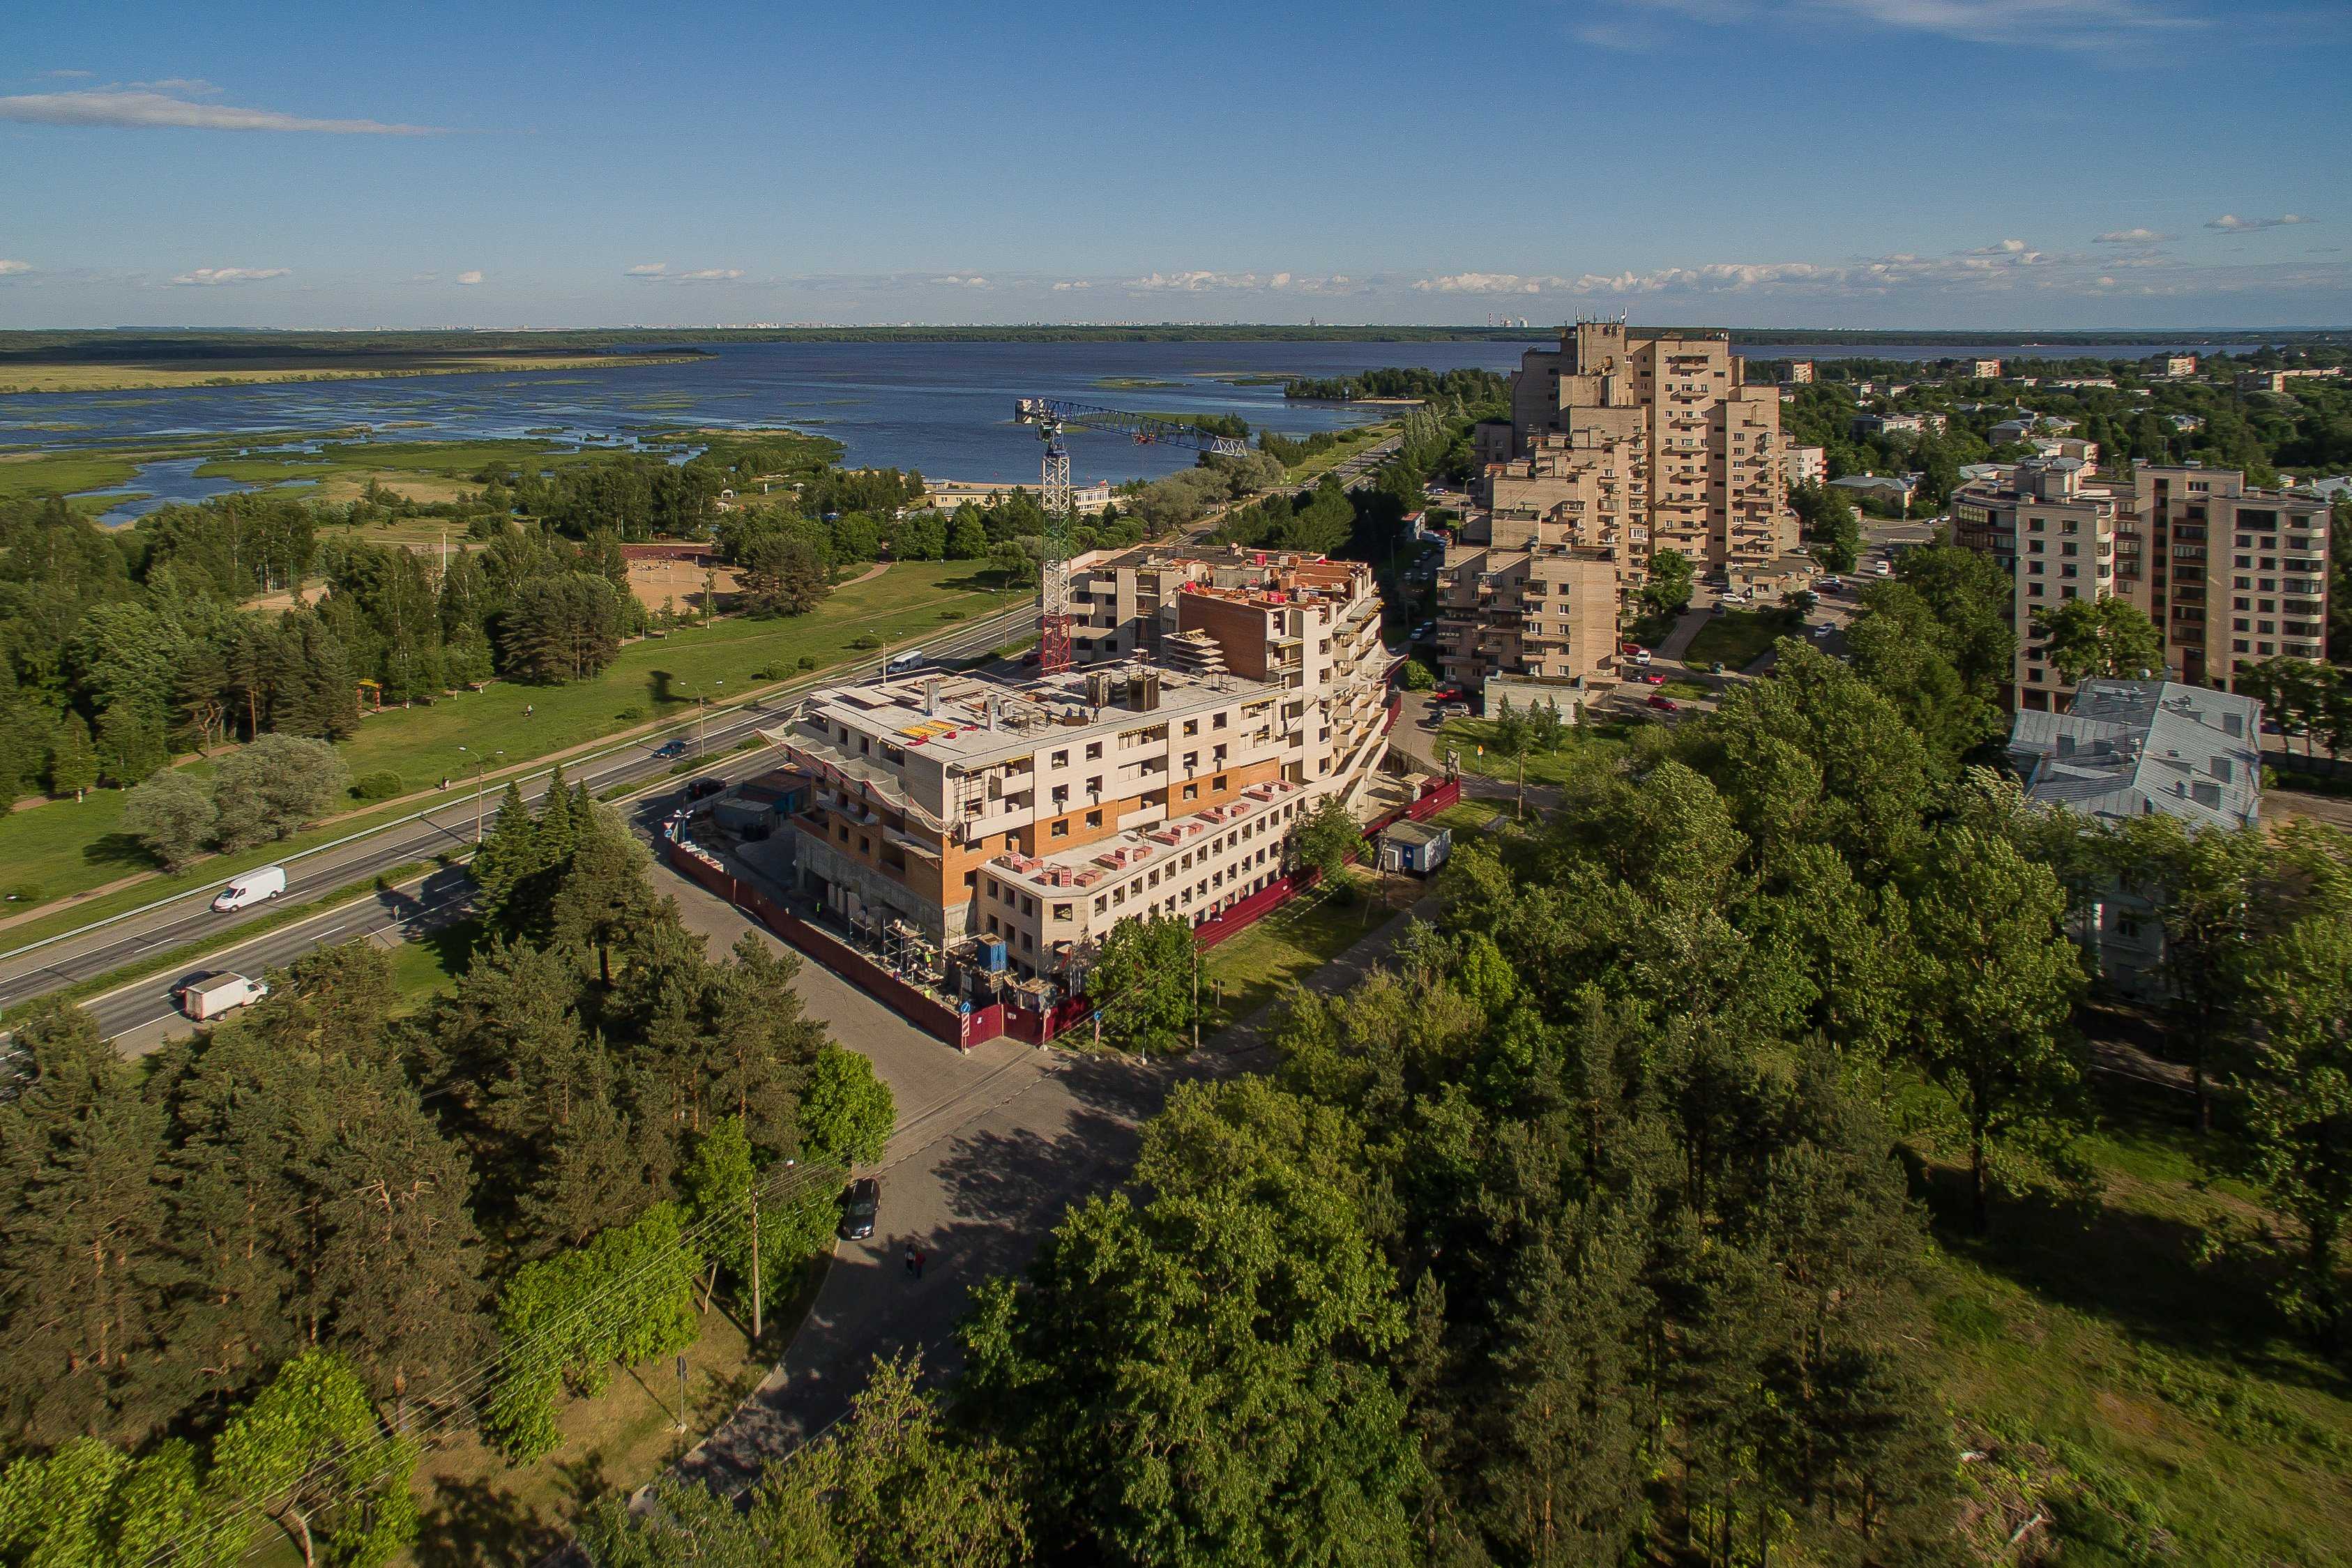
253	887
216	994
911	659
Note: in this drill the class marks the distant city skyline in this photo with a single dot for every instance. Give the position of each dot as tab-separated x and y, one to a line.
1992	164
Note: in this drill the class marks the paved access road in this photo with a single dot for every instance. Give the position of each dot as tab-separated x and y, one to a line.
449	828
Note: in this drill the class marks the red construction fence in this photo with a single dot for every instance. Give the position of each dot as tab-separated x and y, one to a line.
938	1019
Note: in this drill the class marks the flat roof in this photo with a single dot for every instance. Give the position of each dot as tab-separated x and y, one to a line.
1039	711
1133	849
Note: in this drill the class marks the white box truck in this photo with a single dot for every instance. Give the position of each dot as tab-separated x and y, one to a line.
253	887
216	994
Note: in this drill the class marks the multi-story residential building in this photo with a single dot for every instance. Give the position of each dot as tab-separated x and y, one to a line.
2179	365
947	495
2057	536
2229	575
1127	603
1710	443
1804	465
1533	588
2261	380
1800	372
2236	575
1977	370
1864	425
947	810
2086	452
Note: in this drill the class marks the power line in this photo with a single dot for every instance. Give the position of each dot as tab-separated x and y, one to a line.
791	1179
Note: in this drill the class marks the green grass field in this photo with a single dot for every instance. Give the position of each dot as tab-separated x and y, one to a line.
2089	1335
1350	442
1604	740
1289	944
66	847
1738	638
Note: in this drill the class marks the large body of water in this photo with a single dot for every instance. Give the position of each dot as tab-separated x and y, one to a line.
943	408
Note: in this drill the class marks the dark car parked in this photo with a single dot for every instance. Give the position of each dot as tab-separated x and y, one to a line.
860	1207
703	789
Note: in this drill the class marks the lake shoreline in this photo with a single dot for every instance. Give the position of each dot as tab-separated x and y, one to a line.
65	380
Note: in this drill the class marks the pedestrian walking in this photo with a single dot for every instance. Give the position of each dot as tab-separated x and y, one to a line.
919	1265
912	1265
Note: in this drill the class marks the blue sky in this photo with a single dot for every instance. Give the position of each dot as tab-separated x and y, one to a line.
1767	162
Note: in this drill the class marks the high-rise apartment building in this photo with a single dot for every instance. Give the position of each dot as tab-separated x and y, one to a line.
1713	442
2058	535
948	811
1617	446
2229	575
2235	574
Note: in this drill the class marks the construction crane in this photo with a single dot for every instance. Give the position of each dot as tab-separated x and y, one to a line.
1052	416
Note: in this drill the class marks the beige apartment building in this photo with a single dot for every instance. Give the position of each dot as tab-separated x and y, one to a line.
2057	535
2229	575
1711	442
2235	575
1617	446
952	810
1804	465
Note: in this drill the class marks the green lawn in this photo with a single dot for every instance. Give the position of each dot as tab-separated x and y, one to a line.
662	676
2087	1340
1289	944
1467	816
1350	442
1604	740
429	966
66	847
1738	638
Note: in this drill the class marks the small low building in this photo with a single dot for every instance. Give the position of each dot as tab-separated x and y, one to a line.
1416	848
2128	749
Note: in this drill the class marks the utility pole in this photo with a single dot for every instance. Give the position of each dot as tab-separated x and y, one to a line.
755	1265
1196	994
481	765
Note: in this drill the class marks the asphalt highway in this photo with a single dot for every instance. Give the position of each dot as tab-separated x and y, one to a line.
143	1012
445	829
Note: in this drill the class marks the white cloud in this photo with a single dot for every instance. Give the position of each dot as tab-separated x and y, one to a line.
2134	236
959	280
1486	283
1998	248
2088	24
143	108
659	272
210	276
470	279
1067	284
10	268
1193	282
2230	223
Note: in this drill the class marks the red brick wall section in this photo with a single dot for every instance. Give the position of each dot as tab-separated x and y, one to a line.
997	1018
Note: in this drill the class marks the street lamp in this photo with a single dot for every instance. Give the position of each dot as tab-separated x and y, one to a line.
701	704
481	766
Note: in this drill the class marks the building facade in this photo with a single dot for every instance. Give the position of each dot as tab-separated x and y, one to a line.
1618	446
951	813
2230	575
1804	465
2236	575
1710	443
